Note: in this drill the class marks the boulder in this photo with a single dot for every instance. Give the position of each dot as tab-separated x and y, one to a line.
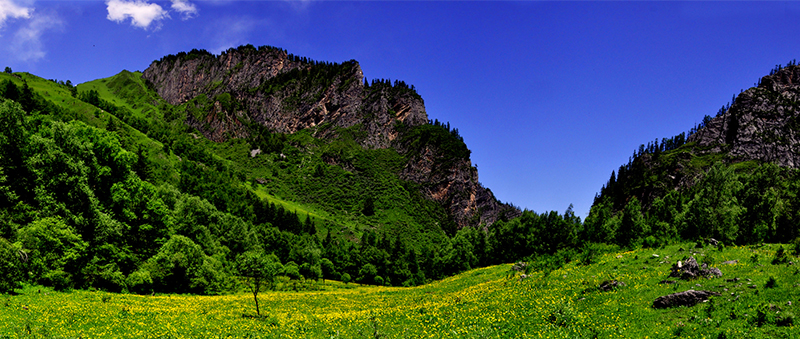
609	285
687	298
690	270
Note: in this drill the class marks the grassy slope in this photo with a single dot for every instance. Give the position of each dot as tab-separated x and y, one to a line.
333	201
476	304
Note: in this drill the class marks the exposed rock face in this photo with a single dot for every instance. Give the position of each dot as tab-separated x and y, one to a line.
270	87
283	93
690	270
762	124
457	186
687	298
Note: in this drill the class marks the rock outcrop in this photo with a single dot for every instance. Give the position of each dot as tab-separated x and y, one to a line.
762	124
286	94
689	270
687	298
610	285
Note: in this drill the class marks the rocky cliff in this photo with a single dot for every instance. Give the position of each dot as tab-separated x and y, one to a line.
286	94
762	124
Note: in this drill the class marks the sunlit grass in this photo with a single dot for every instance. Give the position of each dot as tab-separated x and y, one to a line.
482	303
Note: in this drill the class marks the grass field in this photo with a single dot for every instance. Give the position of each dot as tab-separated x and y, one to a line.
482	303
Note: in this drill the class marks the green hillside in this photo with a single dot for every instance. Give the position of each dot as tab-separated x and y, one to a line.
105	186
733	177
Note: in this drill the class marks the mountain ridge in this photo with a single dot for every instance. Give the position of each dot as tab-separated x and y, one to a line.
734	176
285	94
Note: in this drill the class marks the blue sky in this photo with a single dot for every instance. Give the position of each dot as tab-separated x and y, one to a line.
550	96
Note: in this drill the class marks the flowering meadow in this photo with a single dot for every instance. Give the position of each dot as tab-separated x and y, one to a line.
491	302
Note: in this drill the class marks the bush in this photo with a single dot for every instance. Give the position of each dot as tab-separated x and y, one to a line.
591	251
345	278
292	271
651	242
771	283
139	282
10	267
180	266
786	319
709	259
780	257
561	315
52	246
58	279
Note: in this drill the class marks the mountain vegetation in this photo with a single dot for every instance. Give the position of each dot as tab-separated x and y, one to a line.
733	177
107	185
757	299
256	169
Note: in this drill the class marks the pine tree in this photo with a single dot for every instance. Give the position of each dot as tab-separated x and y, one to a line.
369	207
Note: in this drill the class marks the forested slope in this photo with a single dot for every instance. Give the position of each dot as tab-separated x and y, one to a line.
733	178
108	185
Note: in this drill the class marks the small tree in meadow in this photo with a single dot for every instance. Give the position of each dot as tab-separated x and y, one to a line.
258	269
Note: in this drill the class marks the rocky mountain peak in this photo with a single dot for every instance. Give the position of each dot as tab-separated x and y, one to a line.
761	124
286	94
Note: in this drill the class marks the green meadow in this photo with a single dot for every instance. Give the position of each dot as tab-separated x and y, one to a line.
491	302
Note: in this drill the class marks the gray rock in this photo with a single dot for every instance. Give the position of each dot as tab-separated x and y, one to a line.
687	298
609	285
257	80
759	125
691	270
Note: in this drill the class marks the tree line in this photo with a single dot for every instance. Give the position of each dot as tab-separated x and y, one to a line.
85	207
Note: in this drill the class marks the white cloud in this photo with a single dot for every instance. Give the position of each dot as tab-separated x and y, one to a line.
230	32
188	10
26	45
299	5
141	13
8	9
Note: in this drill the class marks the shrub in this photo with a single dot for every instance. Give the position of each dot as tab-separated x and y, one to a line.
786	319
345	278
709	259
651	242
10	267
780	257
58	279
771	283
561	315
139	282
292	271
